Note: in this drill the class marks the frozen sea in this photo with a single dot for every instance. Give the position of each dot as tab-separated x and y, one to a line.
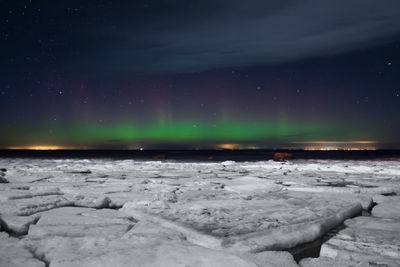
199	208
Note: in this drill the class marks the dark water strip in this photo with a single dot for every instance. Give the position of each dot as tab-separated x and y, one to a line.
201	155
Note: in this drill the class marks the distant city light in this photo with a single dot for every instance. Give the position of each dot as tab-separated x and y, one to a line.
336	145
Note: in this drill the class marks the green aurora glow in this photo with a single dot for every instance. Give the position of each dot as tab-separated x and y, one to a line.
188	133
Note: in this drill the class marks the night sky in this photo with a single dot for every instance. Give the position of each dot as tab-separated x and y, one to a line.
199	74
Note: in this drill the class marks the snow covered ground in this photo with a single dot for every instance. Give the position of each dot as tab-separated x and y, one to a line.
153	213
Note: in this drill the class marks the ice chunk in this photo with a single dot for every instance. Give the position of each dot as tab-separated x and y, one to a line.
388	209
17	224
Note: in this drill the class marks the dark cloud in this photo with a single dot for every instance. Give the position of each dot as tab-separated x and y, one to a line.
188	36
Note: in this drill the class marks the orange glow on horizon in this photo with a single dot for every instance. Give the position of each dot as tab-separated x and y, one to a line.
39	147
235	146
228	146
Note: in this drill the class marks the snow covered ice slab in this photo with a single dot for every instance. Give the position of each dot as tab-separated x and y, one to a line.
80	222
388	209
14	254
366	240
146	244
268	222
29	206
17	225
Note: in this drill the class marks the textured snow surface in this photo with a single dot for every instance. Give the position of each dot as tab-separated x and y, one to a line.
153	213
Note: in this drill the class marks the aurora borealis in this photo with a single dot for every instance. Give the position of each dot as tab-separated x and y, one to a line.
169	74
175	133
